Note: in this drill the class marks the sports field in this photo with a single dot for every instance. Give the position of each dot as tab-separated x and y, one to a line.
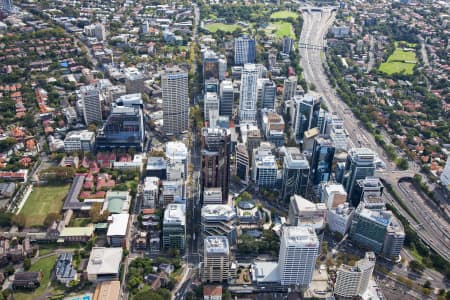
214	27
400	61
281	29
284	14
42	201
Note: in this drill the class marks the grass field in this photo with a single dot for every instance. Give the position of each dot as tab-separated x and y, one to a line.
400	61
284	14
45	265
42	201
281	29
214	27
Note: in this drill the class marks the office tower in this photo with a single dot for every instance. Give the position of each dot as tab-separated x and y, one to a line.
445	176
339	219
287	44
295	174
79	141
333	194
6	5
322	121
177	154
151	192
377	229
247	107
322	160
352	281
212	86
307	115
242	162
156	167
244	50
219	220
210	65
289	87
172	191
268	94
338	134
308	141
215	152
175	102
262	70
212	195
216	259
100	32
359	165
134	80
92	109
367	186
304	212
124	128
210	104
174	227
299	247
222	67
264	167
226	98
253	141
272	127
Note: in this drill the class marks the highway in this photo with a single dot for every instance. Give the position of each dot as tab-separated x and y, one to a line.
315	26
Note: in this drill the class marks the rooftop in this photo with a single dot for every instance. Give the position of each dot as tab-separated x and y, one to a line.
77	231
104	260
216	244
300	235
119	225
175	214
107	290
214	211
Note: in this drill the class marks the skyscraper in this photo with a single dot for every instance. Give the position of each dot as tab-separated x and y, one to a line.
359	165
352	281
226	98
175	102
322	160
287	44
216	261
210	65
307	115
216	159
242	162
268	94
174	226
367	186
295	173
247	107
210	104
92	108
289	87
244	50
299	248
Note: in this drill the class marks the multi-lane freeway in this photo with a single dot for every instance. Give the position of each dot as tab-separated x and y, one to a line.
432	226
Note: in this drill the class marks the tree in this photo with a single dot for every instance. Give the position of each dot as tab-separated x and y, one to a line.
26	263
246	196
427	284
402	163
19	220
95	214
50	218
416	266
148	295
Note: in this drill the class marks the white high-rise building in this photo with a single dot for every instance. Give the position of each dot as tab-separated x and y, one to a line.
150	192
289	87
216	261
249	94
445	176
175	102
92	109
299	248
352	281
210	104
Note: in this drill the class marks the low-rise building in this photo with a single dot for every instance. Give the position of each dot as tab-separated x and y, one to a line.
305	212
212	196
174	226
79	141
76	234
27	280
104	264
107	290
151	192
340	218
117	230
64	270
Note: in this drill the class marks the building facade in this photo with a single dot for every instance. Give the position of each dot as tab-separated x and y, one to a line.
247	106
244	50
216	260
295	174
175	94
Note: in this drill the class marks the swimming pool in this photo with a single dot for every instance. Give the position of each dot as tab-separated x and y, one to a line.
84	297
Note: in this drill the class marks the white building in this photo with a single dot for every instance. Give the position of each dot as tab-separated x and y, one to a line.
216	260
333	194
117	230
248	101
304	212
151	192
79	141
219	219
299	248
92	109
340	218
104	264
210	104
172	191
353	281
338	134
136	164
100	32
265	168
177	156
289	87
175	102
445	176
212	196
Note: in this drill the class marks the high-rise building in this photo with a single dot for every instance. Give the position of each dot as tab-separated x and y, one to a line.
244	50
268	94
222	67
100	32
299	248
304	212
264	167
6	5
247	107
79	141
242	162
210	65
340	218
134	80
210	104
367	186
333	194
359	165
322	160
353	281
92	108
272	127
295	174
226	98
287	44
215	152
219	220
338	134
124	128
177	154
289	87
216	259
174	226
445	176
151	192
307	115
175	102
